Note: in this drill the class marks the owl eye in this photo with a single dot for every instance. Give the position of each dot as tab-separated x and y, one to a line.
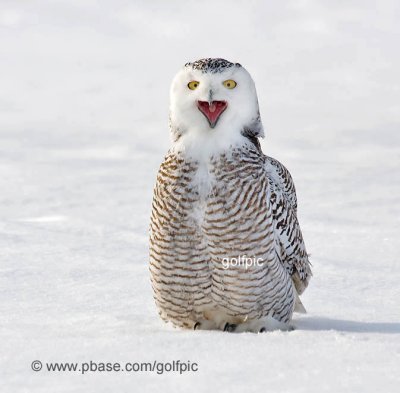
229	84
193	85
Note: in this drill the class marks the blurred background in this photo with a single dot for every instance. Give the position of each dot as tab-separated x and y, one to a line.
103	65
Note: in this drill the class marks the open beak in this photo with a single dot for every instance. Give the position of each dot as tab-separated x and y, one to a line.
212	110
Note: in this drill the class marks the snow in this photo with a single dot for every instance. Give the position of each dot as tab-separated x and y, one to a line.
83	128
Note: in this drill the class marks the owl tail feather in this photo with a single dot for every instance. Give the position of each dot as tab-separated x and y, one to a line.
298	305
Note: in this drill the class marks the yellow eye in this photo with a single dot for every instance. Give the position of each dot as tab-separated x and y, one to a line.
193	85
229	84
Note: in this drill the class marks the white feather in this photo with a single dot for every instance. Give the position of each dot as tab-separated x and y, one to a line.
197	139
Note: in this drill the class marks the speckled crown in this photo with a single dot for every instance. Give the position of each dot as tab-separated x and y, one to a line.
211	65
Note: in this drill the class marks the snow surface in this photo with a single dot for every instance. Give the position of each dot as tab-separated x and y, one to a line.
83	127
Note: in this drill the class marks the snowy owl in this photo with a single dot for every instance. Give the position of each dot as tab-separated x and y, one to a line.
226	249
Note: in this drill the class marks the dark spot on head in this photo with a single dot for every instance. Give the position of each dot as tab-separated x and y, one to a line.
212	65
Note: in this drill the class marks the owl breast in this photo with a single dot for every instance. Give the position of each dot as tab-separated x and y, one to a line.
212	244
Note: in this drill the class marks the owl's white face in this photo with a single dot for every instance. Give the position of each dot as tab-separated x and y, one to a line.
210	107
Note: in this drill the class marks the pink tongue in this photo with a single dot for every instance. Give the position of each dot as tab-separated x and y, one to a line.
212	110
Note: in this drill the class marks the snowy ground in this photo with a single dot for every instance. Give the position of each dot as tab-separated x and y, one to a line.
83	128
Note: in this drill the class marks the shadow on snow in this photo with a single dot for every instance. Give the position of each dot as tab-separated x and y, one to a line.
344	325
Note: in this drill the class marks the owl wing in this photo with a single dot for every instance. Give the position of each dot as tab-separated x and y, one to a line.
290	247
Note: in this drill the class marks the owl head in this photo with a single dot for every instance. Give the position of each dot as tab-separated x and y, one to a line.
213	102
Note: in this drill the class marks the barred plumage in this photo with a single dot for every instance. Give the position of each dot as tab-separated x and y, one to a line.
211	208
